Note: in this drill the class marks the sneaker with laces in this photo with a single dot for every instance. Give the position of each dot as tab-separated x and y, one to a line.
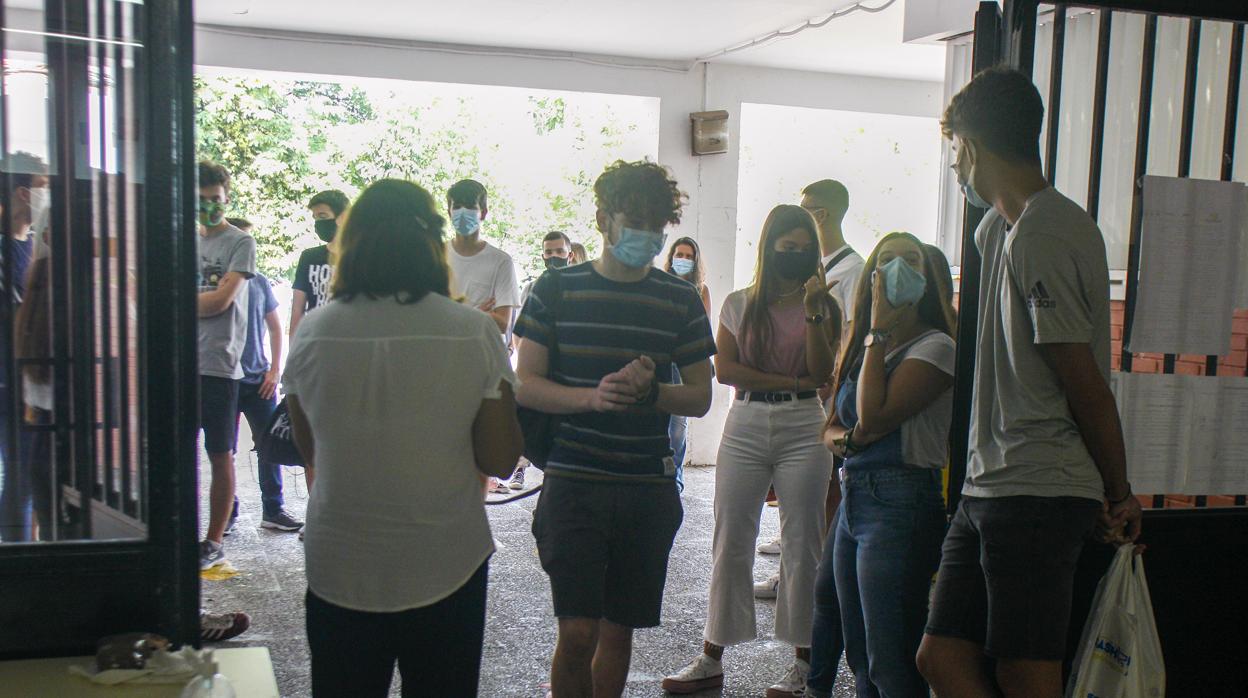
701	674
793	685
281	521
769	589
219	627
210	555
517	480
771	548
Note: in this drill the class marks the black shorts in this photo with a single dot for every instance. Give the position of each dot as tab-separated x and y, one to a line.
218	413
1007	573
605	547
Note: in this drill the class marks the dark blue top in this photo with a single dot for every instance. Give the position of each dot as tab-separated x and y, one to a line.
260	302
21	251
600	326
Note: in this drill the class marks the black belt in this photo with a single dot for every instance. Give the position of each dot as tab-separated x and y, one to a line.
771	398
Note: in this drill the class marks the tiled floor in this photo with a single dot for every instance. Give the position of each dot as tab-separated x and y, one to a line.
520	631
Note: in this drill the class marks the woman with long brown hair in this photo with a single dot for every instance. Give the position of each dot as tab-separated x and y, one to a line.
777	341
893	403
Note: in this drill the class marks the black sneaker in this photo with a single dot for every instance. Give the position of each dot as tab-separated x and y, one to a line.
210	555
282	521
229	526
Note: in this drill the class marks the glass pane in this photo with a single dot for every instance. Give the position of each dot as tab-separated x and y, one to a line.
69	385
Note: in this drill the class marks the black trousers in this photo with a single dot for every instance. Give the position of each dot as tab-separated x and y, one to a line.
438	647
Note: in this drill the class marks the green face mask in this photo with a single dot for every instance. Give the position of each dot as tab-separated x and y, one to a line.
211	213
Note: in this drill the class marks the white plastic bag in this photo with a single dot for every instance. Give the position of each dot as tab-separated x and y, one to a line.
1120	653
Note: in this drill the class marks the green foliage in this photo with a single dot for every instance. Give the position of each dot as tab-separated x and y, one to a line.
283	141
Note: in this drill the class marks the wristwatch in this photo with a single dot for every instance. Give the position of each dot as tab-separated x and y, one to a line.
816	319
875	337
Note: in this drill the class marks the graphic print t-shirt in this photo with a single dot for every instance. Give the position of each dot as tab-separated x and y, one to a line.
312	276
221	337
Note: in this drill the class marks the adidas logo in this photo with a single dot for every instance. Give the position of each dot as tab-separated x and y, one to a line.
1038	297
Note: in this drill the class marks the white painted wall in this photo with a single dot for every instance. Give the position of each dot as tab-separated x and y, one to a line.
710	181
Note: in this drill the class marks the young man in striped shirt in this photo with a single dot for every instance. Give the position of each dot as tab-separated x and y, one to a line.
609	509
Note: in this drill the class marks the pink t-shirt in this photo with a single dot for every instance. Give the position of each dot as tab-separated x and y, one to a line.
786	354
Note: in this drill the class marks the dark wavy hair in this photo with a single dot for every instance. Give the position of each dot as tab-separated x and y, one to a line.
756	326
643	191
935	307
392	245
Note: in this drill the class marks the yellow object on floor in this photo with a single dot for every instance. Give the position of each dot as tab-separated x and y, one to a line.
220	573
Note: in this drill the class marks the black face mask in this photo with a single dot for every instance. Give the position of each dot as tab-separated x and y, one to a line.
326	228
556	262
796	264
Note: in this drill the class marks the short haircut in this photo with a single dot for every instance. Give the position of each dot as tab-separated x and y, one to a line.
23	167
240	223
211	174
643	191
392	245
334	199
558	235
467	193
1001	110
829	194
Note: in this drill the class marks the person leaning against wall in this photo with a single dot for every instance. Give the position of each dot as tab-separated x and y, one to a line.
1046	463
397	540
684	261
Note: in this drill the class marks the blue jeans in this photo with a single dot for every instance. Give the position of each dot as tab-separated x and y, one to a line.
887	547
258	412
16	487
676	432
827	641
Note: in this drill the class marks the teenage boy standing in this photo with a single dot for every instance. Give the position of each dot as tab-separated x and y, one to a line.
314	271
609	509
1046	461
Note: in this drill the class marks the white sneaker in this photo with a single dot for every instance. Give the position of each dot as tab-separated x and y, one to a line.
793	685
699	675
769	589
772	548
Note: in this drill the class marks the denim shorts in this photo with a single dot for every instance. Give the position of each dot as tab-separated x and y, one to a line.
1007	573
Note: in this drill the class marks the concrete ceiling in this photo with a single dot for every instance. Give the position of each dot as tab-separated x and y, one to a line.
668	30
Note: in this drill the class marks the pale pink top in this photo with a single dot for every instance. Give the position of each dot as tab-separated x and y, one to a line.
785	355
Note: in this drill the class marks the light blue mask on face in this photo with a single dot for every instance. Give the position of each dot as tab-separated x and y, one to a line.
902	284
682	266
637	248
972	197
466	220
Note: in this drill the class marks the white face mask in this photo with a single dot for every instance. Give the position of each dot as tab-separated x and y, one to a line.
40	208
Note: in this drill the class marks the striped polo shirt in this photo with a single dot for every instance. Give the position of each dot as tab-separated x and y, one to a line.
600	326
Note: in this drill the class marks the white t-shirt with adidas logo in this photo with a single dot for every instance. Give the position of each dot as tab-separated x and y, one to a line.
1045	281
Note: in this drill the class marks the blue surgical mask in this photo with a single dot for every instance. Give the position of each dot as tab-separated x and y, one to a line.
466	220
637	248
902	284
682	267
972	197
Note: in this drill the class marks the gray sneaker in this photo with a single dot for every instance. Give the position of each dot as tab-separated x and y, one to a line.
517	480
210	555
281	521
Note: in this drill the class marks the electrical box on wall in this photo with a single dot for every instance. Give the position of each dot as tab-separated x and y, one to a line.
710	132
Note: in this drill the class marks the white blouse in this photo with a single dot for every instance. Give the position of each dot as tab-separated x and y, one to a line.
396	518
